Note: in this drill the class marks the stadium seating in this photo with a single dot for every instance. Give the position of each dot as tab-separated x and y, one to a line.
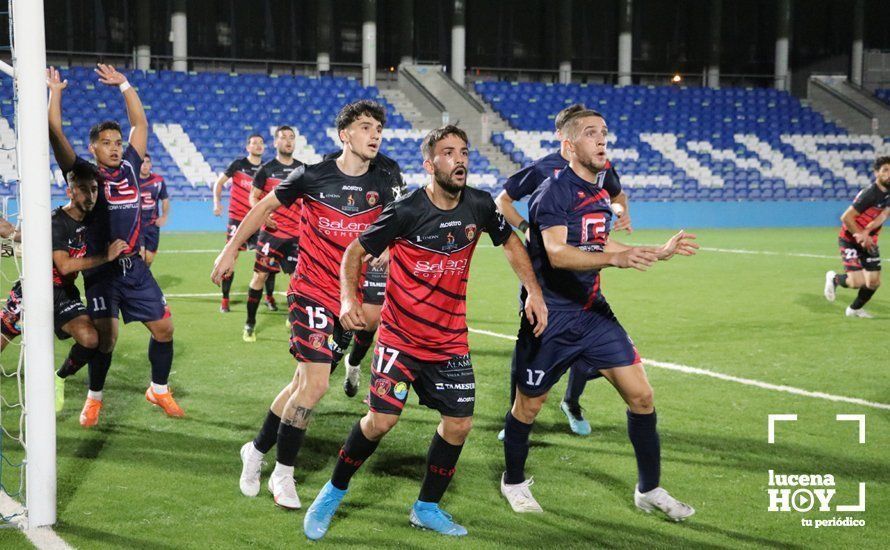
672	143
200	121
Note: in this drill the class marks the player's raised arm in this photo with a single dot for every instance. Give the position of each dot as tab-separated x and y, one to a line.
62	149
534	307
138	139
225	262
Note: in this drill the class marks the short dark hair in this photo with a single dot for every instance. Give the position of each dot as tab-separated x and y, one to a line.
351	111
282	128
251	136
437	135
146	156
571	125
101	127
881	161
569	112
82	174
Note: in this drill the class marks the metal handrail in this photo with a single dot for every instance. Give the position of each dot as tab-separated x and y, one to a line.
422	89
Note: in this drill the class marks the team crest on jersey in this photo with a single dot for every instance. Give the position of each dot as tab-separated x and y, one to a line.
372	197
382	386
470	230
316	340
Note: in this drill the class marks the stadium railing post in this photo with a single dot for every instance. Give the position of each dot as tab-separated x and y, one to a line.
29	50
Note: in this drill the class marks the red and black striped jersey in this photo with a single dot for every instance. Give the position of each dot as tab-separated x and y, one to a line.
242	172
425	306
336	209
286	218
869	203
69	235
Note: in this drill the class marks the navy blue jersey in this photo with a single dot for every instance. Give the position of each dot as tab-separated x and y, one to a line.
118	210
154	190
524	182
584	209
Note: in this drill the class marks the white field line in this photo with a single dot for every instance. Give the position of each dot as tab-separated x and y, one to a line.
704	248
738	380
43	538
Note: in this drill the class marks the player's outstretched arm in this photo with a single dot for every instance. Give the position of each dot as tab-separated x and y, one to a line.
66	264
225	262
681	243
564	256
109	76
351	316
505	205
62	149
534	307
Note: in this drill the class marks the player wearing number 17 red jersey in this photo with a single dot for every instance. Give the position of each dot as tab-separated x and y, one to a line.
431	235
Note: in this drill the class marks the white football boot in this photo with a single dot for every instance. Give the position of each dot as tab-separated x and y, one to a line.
659	499
520	497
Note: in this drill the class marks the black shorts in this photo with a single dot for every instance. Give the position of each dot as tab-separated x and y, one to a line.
446	386
127	288
152	235
250	244
274	254
66	306
856	258
374	286
316	335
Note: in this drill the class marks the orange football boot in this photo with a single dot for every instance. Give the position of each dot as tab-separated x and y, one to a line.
165	401
89	416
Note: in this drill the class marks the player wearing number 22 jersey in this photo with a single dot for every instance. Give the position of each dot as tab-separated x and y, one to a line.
431	235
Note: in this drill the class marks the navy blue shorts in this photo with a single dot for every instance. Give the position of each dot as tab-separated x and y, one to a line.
592	340
152	235
126	287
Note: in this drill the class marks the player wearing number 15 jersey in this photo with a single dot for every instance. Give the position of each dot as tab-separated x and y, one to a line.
341	198
431	235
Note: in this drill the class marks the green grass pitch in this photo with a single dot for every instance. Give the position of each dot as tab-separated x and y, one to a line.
141	480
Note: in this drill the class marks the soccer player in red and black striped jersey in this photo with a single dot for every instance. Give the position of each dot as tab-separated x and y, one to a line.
858	239
341	198
124	287
431	235
241	171
278	242
154	197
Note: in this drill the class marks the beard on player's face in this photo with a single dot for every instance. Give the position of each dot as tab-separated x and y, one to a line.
447	181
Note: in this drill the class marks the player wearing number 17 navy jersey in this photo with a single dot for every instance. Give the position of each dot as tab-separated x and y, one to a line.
124	287
569	244
431	235
341	198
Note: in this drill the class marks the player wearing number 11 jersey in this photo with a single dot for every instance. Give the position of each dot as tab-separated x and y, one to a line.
431	235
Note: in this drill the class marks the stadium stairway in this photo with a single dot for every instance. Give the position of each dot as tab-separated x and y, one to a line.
855	110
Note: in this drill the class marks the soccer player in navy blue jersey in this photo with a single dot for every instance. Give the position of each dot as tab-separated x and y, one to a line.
154	199
126	286
570	221
521	185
